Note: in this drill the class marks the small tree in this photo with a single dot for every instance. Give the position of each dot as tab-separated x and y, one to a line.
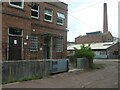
85	52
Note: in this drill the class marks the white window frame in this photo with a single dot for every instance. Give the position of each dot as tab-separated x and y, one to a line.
13	5
62	17
31	48
48	15
35	11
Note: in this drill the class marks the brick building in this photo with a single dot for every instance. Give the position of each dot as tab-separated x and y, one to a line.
34	30
94	37
101	50
98	36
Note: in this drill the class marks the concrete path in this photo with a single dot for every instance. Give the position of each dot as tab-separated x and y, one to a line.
101	78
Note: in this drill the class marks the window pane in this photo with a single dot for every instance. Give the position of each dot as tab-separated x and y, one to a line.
34	43
17	3
59	44
60	15
48	11
59	20
15	31
35	7
35	10
47	17
33	13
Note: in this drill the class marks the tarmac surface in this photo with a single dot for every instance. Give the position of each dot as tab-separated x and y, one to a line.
106	77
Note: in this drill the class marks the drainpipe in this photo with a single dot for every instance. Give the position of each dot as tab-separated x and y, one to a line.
62	45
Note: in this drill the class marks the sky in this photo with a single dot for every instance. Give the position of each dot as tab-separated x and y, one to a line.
87	16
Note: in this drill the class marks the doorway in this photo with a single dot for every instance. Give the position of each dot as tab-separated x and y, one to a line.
47	46
15	44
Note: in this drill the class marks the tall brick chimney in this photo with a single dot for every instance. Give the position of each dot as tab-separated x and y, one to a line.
105	19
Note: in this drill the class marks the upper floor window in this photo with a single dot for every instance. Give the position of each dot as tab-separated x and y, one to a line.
48	15
35	11
60	18
19	4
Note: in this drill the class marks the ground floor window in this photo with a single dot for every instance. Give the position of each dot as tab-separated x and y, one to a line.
59	45
34	43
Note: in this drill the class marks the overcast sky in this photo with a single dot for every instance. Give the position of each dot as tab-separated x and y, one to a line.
87	16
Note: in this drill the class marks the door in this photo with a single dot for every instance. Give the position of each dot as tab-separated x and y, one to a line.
47	46
15	47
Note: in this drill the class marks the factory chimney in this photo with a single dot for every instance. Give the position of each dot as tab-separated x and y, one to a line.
105	19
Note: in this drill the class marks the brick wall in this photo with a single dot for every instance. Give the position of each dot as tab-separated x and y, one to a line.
21	18
112	49
107	37
104	37
88	39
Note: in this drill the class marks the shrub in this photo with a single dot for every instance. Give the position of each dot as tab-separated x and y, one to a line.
85	52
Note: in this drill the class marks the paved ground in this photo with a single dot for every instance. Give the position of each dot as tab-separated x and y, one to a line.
102	78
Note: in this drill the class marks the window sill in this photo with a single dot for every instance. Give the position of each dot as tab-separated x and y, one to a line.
33	50
36	18
60	24
48	21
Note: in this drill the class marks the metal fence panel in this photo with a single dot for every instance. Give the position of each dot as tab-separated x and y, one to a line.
23	70
60	65
82	63
31	69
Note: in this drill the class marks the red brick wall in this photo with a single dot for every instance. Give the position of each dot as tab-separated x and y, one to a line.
112	49
108	37
94	38
21	18
88	39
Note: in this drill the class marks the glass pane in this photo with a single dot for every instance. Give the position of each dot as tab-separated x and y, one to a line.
59	20
17	3
59	44
47	17
60	15
48	11
34	43
35	7
34	13
15	31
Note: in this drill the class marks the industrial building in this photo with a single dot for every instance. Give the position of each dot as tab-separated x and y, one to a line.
94	37
104	50
101	42
97	36
34	30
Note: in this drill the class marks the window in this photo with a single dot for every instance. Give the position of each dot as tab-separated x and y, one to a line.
16	4
35	11
34	43
15	31
60	18
48	15
59	44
